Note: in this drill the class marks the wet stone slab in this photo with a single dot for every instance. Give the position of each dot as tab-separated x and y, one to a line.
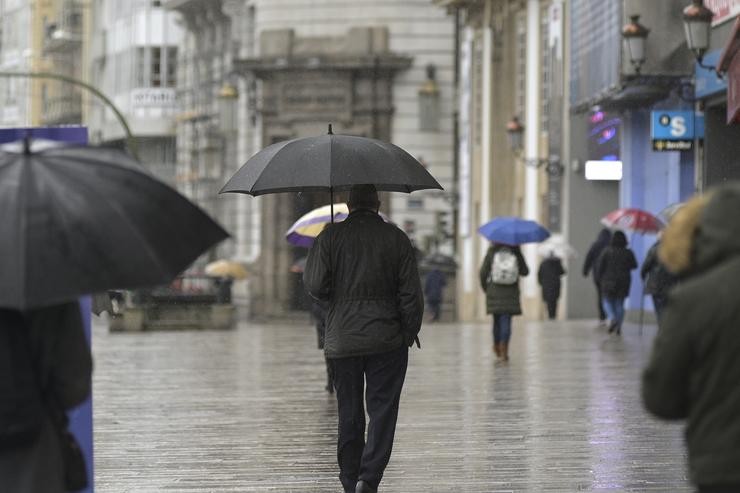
246	411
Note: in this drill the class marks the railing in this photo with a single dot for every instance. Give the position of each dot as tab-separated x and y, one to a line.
66	32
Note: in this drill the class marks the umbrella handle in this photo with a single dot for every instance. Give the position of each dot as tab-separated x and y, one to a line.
331	195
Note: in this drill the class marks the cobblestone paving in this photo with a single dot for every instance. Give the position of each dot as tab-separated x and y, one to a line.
245	411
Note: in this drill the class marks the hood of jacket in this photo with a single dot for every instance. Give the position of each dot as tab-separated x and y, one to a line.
704	232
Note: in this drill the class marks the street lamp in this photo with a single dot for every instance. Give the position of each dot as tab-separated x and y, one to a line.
635	35
515	134
227	108
697	20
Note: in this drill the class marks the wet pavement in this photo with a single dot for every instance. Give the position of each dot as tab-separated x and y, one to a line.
246	411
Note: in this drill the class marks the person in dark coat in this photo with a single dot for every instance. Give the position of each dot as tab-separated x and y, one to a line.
658	280
694	370
318	312
549	274
602	241
365	270
434	285
613	269
502	299
64	364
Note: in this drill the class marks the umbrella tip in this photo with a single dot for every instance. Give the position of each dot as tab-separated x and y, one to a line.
330	131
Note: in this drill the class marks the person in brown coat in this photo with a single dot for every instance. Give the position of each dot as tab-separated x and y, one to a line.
63	366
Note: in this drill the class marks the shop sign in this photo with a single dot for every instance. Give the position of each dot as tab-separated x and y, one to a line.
675	130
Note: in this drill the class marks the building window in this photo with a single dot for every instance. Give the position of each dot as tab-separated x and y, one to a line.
140	76
171	63
156	67
546	75
156	3
521	65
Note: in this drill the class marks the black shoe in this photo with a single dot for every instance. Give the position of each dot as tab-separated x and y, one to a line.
613	327
329	388
363	487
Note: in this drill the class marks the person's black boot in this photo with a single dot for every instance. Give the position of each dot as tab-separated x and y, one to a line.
363	487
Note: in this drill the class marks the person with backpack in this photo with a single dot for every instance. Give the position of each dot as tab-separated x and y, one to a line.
613	269
658	280
499	277
45	370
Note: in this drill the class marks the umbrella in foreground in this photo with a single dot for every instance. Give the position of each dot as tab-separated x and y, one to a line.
330	163
635	220
79	220
513	231
668	212
226	268
305	230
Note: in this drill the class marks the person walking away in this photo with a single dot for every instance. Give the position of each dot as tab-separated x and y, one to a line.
318	312
657	279
365	270
434	285
694	371
549	274
45	370
499	277
594	252
613	270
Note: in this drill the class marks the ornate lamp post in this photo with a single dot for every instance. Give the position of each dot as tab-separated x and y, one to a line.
635	35
515	134
697	21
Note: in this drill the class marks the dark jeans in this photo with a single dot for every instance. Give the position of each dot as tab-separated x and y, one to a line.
602	314
501	327
384	375
659	302
615	310
552	308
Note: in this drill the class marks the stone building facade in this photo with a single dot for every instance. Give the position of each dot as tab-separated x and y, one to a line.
380	69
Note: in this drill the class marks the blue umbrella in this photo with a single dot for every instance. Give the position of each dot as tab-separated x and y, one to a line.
513	231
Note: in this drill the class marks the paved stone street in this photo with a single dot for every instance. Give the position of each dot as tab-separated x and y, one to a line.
245	411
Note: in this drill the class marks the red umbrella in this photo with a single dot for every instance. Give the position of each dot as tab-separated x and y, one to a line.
635	220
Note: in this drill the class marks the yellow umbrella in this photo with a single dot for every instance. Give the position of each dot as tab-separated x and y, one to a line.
226	268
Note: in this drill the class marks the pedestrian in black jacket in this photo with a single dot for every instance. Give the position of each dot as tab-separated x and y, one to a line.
694	370
549	274
434	285
365	270
658	280
613	269
602	241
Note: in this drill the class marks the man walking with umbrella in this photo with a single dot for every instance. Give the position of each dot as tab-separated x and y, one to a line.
365	269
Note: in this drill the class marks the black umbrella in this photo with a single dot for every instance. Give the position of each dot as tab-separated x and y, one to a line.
78	220
330	163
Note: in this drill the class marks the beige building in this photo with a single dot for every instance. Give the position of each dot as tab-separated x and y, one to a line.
43	36
511	65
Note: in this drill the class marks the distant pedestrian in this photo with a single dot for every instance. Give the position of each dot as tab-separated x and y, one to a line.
602	241
434	285
499	277
549	274
365	269
657	278
613	269
318	312
694	370
46	361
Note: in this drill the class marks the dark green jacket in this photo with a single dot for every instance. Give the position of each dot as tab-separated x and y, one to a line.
694	370
365	270
502	298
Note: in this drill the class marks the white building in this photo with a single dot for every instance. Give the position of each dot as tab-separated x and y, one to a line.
134	51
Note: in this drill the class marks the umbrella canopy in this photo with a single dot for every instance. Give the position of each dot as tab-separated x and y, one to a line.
305	230
78	220
668	212
330	163
636	220
513	231
226	268
557	245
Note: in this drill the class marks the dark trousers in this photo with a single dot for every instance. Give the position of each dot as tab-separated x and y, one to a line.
552	308
659	302
726	488
384	375
602	314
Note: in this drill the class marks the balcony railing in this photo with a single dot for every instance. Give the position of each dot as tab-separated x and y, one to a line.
61	110
66	32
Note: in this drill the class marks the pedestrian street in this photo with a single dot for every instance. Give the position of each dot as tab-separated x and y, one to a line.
246	411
